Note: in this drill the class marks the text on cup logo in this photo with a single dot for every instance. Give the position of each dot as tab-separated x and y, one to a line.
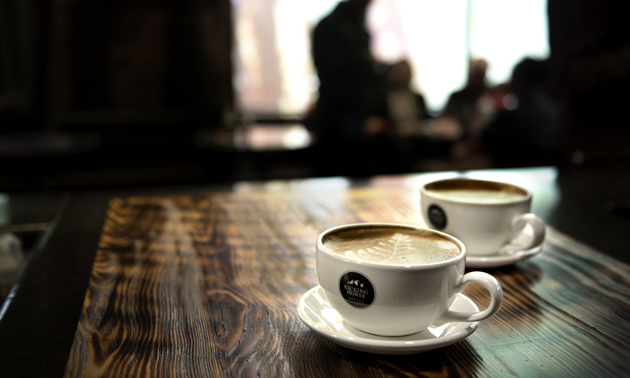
356	289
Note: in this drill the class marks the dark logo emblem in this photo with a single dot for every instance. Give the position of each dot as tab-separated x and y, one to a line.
437	217
356	289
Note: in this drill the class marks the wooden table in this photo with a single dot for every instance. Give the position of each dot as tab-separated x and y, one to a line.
207	284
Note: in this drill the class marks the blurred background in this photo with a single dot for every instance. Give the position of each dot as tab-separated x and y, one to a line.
98	93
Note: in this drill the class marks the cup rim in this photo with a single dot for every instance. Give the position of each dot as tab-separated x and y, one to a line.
425	189
454	260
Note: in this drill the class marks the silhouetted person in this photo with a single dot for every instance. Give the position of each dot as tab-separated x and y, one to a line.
463	105
400	113
393	118
341	53
524	135
398	108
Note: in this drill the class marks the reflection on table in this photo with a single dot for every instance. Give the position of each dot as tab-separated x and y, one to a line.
256	137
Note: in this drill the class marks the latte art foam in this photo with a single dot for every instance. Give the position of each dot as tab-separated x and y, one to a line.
391	246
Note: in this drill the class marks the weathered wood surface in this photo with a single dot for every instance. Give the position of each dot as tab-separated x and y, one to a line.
208	286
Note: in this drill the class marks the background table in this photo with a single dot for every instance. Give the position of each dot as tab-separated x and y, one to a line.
207	283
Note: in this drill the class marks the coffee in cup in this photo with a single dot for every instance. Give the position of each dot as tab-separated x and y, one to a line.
485	215
394	279
391	245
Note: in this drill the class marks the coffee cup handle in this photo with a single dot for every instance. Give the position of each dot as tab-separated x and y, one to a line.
496	298
538	226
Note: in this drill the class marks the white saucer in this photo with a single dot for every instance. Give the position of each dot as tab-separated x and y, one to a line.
505	257
318	315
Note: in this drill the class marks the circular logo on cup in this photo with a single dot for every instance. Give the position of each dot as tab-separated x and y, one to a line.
437	217
356	289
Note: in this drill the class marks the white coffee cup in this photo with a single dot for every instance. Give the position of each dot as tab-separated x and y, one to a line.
485	215
391	297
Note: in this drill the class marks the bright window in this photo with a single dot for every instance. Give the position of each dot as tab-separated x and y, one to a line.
274	73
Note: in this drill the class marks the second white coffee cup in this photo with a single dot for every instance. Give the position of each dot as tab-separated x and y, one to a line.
393	279
485	215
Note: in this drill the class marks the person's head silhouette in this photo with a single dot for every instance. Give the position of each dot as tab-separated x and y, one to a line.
477	73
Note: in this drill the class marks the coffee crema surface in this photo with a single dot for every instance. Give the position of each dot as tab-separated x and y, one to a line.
391	245
480	195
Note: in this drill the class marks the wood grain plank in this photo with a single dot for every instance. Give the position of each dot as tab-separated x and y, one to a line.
208	286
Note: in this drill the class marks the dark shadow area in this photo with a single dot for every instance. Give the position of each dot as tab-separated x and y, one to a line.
100	94
524	134
110	94
134	94
589	77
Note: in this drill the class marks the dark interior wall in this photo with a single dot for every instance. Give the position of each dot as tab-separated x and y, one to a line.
135	61
590	61
14	36
111	92
17	68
